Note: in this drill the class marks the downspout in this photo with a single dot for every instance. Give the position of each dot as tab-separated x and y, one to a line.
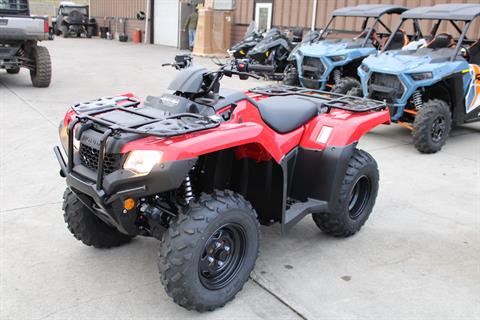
147	20
314	15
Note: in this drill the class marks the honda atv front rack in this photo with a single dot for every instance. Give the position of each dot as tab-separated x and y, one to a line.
329	99
162	127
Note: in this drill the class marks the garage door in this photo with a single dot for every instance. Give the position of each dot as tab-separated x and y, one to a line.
166	22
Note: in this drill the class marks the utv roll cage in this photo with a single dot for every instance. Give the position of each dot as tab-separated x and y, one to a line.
367	11
453	13
14	7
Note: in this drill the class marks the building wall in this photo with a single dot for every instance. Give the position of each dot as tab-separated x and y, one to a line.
298	13
48	7
112	11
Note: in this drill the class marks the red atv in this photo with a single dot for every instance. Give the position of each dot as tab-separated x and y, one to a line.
201	168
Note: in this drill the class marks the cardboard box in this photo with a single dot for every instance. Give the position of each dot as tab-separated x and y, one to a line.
214	31
203	37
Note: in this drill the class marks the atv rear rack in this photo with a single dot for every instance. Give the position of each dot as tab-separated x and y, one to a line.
89	112
329	99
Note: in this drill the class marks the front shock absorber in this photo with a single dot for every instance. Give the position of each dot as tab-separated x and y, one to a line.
417	100
188	188
337	76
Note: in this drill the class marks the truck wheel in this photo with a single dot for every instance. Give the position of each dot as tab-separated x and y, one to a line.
209	251
86	227
356	198
42	74
65	32
345	85
290	77
13	71
432	126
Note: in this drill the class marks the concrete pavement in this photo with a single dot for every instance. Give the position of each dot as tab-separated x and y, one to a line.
417	257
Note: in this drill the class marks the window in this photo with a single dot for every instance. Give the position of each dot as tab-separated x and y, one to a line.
263	15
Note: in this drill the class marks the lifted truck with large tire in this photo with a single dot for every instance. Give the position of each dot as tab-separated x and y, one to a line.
19	35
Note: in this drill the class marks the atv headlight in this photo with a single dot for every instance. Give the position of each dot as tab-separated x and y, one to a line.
338	58
421	76
142	161
365	68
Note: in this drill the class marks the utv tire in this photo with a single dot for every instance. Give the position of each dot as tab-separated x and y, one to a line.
356	198
345	85
209	251
86	227
290	77
42	74
13	71
355	92
432	126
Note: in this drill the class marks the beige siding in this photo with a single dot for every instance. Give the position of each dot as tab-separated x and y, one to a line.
102	10
291	13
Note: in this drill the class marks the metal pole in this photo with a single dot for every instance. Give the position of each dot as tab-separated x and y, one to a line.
314	15
147	18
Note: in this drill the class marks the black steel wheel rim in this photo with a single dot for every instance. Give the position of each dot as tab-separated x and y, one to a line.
439	126
359	197
222	256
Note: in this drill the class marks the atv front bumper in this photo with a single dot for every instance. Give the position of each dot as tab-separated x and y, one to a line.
120	185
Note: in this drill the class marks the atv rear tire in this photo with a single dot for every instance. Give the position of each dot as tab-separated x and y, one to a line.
345	85
86	227
290	76
13	71
432	126
356	198
42	74
209	251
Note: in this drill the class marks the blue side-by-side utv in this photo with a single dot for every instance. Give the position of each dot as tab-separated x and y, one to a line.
331	61
434	82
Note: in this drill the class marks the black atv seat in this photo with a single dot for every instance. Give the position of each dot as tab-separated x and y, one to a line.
285	114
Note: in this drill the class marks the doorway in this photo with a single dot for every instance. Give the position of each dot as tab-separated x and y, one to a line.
166	22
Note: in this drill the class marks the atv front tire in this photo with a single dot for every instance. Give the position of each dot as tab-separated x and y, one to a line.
432	126
86	227
13	70
209	251
345	85
42	74
356	198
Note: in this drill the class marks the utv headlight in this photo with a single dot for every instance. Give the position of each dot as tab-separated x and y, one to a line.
421	76
365	68
142	161
338	58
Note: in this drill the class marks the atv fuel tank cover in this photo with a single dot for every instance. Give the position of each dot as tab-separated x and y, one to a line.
188	80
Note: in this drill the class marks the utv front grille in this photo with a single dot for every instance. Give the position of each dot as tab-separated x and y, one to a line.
312	68
385	87
89	158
